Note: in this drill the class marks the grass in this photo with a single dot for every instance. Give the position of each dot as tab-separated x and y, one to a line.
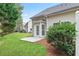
11	45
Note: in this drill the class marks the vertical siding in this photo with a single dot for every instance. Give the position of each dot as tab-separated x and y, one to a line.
70	16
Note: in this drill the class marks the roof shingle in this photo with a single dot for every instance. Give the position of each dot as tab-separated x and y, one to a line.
56	8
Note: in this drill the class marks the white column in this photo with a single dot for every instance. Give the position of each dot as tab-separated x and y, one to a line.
40	29
77	33
46	24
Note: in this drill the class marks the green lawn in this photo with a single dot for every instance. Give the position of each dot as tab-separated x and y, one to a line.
11	45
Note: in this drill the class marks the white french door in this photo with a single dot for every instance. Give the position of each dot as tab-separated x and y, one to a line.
39	30
42	29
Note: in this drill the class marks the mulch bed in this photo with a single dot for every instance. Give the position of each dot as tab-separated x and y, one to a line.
50	50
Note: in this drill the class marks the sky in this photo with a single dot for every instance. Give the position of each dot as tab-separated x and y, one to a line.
31	9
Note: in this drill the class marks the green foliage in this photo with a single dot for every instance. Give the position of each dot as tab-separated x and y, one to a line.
62	36
9	13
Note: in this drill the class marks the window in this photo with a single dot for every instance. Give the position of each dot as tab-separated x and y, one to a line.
43	29
37	30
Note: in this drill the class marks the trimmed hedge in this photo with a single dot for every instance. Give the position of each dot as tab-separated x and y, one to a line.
62	36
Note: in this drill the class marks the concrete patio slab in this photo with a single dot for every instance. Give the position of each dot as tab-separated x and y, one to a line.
32	39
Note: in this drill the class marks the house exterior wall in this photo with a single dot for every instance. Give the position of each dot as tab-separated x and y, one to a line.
77	33
19	25
0	25
30	26
26	27
37	22
69	16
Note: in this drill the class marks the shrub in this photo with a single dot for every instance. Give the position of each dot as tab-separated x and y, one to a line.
62	36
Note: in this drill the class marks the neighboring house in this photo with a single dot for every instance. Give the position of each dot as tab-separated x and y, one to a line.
28	26
0	25
62	12
19	25
0	28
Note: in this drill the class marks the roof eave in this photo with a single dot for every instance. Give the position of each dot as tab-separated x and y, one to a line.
37	16
63	11
58	12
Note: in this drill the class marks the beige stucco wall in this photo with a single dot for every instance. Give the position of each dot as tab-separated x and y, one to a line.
68	16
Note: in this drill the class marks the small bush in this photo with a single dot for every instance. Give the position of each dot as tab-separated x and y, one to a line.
62	36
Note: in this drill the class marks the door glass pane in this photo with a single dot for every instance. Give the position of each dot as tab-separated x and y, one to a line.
43	29
37	30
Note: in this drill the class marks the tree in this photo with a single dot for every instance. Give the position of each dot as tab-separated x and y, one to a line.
9	13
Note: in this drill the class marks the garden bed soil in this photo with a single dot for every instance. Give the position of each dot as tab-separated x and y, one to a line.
50	50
